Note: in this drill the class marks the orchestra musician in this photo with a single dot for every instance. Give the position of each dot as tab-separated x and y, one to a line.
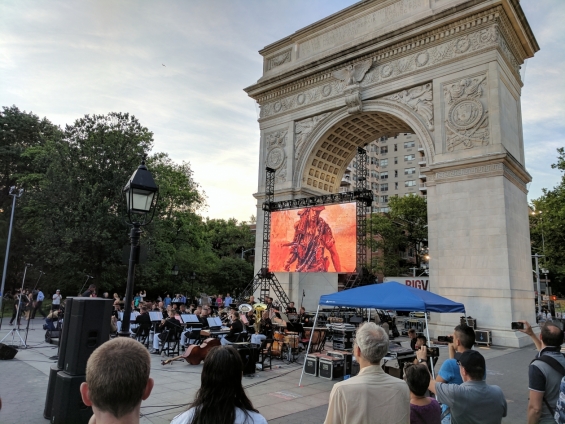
252	300
235	329
291	309
251	322
204	315
266	329
169	324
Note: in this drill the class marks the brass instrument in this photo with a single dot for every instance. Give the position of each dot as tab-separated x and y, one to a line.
258	308
244	308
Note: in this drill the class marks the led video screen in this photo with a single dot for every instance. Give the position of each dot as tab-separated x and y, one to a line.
314	239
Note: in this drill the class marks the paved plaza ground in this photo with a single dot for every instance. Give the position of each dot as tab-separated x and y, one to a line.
23	385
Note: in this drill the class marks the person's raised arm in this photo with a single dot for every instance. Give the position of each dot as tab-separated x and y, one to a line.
530	332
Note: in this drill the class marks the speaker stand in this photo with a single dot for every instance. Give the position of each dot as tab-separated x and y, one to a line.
14	331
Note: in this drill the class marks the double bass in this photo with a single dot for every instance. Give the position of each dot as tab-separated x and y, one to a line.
195	354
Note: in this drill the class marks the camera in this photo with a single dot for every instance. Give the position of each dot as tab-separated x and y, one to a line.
445	339
433	352
517	326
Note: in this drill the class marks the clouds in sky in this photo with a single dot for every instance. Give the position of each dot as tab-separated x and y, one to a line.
63	59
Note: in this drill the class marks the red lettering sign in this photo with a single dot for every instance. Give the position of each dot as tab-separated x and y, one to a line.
419	284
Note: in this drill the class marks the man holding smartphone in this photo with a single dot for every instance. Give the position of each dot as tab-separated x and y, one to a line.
545	372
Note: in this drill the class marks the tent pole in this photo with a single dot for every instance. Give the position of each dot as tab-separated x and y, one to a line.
309	344
369	319
429	341
466	319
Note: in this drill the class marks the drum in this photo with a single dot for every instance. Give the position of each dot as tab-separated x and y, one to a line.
276	348
279	336
291	340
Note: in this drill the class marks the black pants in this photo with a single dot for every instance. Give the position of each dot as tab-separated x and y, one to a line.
14	314
38	307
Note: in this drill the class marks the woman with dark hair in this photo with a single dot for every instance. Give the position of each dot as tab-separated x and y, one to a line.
423	409
221	398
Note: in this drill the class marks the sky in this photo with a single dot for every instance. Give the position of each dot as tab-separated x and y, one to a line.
180	67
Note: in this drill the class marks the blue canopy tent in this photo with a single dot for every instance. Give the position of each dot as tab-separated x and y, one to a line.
391	295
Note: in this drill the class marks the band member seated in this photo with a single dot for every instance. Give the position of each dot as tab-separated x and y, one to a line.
235	329
169	324
266	329
250	322
252	300
291	309
142	320
277	319
204	315
221	397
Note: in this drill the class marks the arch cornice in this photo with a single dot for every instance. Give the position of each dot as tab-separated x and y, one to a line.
341	115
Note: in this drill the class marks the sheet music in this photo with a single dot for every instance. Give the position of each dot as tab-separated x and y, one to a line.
156	316
190	318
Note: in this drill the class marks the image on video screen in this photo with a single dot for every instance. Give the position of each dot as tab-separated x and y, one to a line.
314	239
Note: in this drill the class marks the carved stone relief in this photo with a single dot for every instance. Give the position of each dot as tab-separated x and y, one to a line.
279	59
302	130
466	121
383	70
276	155
420	100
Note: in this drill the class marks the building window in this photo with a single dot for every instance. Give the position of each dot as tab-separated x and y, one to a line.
396	186
410	183
384	150
409	157
384	162
396	147
374	161
408	144
384	199
384	175
396	161
384	187
409	171
374	186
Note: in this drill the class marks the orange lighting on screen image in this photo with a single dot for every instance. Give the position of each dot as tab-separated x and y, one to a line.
314	239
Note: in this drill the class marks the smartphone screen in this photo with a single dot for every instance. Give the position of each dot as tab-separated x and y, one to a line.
517	326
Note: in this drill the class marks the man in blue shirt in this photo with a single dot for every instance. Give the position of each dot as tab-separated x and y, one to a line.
167	300
227	301
38	303
463	339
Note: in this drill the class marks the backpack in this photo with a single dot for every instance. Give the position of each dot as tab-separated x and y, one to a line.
553	363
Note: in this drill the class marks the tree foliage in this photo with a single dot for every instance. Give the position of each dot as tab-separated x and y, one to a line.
547	227
404	227
71	220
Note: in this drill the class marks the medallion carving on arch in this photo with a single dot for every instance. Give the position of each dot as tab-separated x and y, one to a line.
420	100
279	59
302	130
466	122
276	156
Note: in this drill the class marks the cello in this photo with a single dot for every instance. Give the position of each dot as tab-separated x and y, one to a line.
195	354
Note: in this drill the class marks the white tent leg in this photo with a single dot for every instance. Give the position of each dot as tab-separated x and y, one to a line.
369	320
309	344
428	333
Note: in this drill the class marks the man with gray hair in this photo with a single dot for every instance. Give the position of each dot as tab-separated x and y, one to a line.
372	396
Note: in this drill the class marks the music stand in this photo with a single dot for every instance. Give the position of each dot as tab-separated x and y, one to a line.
15	330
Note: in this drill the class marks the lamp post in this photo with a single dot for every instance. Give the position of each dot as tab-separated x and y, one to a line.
15	195
141	200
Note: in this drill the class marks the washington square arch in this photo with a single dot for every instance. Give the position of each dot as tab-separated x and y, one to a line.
447	71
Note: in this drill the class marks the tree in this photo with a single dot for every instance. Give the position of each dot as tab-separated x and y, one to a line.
404	227
547	227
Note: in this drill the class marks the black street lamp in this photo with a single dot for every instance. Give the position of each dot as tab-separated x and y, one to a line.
141	200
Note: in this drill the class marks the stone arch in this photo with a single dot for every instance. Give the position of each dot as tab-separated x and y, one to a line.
332	145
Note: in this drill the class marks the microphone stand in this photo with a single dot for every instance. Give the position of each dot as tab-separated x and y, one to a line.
88	277
29	319
302	300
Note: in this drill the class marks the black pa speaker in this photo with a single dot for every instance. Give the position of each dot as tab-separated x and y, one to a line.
67	403
47	411
7	352
249	356
64	333
88	326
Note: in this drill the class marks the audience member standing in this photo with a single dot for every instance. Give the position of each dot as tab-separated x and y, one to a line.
412	336
372	396
167	300
38	304
117	380
221	397
474	401
56	304
228	300
423	409
543	375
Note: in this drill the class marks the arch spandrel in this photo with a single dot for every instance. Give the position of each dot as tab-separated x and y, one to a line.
332	144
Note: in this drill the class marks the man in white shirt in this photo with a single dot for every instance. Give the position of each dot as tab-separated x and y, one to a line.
371	397
56	300
38	303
